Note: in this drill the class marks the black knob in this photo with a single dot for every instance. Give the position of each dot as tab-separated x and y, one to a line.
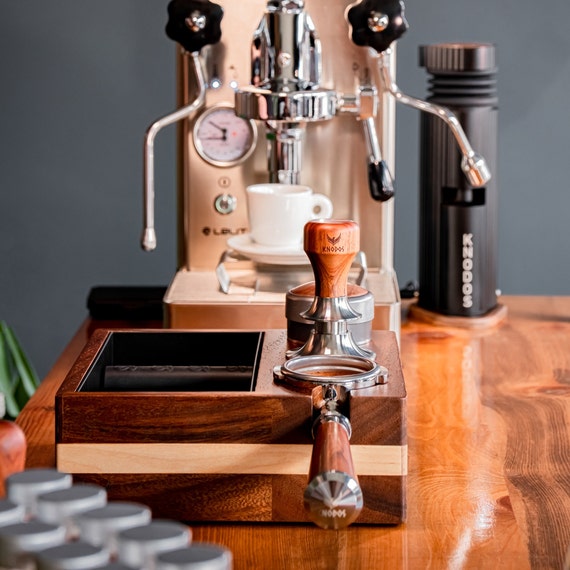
194	23
377	23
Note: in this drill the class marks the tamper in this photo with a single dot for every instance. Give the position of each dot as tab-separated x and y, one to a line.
328	366
331	245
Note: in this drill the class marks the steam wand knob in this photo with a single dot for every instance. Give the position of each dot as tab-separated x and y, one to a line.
376	23
194	23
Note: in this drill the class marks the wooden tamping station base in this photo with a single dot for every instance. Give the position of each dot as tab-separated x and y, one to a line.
211	425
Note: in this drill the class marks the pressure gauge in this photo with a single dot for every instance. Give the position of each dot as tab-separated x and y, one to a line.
222	138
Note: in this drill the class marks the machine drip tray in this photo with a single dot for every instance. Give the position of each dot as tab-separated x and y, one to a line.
175	361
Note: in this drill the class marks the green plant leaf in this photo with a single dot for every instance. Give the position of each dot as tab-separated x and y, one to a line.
7	375
28	376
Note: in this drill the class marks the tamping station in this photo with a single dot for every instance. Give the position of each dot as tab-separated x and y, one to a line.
333	362
225	425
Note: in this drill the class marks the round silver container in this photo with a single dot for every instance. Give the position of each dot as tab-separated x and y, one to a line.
300	298
199	556
76	555
101	526
60	506
22	539
10	512
24	487
139	546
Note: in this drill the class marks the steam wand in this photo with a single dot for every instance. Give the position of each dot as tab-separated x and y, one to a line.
377	24
148	241
473	165
194	24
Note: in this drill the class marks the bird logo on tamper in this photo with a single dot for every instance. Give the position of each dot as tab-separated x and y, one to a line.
333	247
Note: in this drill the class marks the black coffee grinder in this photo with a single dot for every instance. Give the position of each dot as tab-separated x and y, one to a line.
458	221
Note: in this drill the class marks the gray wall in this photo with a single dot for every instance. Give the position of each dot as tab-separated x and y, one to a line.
81	81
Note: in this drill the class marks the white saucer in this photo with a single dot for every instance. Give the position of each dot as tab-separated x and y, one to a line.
265	254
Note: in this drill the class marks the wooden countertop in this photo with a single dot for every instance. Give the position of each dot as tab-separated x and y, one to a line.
489	453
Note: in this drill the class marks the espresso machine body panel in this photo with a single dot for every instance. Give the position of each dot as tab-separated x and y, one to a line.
334	153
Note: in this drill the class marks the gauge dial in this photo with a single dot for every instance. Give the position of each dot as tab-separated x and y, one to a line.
222	138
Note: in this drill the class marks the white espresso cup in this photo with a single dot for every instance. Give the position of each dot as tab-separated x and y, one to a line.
278	213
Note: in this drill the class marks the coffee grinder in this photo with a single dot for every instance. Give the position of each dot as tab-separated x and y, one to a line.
458	220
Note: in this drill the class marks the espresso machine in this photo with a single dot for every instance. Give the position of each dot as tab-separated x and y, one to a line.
286	91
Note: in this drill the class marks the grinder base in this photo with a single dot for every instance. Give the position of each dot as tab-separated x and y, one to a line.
240	455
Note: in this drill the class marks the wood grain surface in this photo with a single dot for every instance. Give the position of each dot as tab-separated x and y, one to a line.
489	454
331	245
213	446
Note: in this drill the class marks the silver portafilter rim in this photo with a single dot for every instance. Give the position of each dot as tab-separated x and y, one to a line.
349	371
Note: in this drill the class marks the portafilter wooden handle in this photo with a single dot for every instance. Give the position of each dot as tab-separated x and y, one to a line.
333	497
331	246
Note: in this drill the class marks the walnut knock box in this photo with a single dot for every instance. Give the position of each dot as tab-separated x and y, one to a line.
192	424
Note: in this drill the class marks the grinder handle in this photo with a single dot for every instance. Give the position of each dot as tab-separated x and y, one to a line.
333	497
331	246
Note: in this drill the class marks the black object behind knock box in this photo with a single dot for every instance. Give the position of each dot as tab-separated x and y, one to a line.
458	223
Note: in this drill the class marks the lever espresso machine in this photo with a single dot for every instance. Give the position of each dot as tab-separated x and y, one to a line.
282	91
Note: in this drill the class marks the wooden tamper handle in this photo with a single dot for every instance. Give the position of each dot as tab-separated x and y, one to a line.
331	246
333	498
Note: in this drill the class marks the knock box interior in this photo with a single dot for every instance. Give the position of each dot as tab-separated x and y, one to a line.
175	361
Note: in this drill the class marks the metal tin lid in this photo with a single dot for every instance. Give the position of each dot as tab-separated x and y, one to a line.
24	487
10	512
139	546
458	57
76	555
199	556
58	506
30	536
98	526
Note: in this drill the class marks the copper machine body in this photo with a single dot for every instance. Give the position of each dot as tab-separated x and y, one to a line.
211	193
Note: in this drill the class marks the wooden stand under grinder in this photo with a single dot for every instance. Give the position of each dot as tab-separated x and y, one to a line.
217	425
